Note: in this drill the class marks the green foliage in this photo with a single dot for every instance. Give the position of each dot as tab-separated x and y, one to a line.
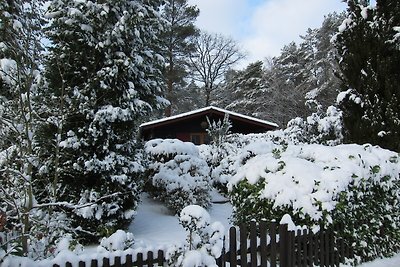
176	46
369	59
370	213
250	205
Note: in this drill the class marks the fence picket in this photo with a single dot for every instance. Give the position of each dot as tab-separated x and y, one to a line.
106	262
232	247
283	246
139	260
253	244
117	262
93	263
128	260
272	229
263	243
243	245
160	257
292	249
305	236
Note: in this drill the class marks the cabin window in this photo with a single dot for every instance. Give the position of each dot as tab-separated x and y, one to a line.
199	138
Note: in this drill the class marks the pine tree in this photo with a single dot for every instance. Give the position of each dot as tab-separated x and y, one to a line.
105	72
180	18
302	73
247	87
369	59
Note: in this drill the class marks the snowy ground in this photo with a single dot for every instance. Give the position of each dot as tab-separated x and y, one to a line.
154	225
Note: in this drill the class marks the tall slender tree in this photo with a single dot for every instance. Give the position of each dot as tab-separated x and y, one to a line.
106	72
20	50
179	30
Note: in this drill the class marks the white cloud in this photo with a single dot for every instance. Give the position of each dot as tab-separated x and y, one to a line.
222	16
264	28
278	22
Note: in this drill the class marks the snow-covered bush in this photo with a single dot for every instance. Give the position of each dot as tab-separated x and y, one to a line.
204	241
120	240
179	176
320	127
370	207
324	185
237	150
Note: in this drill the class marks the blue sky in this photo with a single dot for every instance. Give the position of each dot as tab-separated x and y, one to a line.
263	27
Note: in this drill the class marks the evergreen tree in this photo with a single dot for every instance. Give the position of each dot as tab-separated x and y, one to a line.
247	87
301	73
105	73
180	18
369	59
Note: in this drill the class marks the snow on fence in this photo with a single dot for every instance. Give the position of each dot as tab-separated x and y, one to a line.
262	244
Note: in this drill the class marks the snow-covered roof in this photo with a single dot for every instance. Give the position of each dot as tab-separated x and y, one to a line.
209	108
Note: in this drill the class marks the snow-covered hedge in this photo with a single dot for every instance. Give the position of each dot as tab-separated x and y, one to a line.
178	174
355	185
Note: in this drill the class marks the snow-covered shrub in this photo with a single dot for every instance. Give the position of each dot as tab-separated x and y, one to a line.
120	240
370	208
325	185
237	150
320	127
204	241
178	174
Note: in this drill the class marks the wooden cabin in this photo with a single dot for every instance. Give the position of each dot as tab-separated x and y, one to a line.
191	126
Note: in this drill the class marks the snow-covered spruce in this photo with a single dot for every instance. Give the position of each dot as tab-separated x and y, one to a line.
354	185
178	176
104	77
204	240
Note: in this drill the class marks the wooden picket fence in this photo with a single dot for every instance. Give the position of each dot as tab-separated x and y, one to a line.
254	245
269	244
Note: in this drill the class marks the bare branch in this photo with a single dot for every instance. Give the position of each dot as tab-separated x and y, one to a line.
214	55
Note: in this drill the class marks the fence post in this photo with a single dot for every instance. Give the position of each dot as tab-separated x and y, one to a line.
232	247
322	248
306	248
106	262
298	243
283	246
253	244
272	230
150	259
93	263
139	260
263	243
129	261
117	261
291	246
160	257
243	245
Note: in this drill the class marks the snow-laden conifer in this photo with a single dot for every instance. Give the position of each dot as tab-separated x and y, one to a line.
104	76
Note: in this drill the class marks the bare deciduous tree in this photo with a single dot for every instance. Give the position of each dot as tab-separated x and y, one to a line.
214	55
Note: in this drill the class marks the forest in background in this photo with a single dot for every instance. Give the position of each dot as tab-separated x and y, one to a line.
77	78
